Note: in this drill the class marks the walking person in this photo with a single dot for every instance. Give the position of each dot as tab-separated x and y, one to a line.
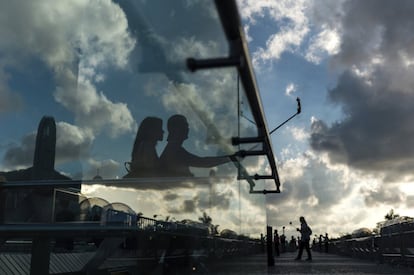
305	232
276	242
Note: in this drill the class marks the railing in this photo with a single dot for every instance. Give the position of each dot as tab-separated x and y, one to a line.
131	236
396	246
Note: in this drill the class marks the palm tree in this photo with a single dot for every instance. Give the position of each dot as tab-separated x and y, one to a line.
391	215
206	219
214	229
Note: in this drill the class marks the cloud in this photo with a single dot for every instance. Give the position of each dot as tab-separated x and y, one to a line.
20	156
293	26
218	200
170	196
374	91
95	111
388	195
76	40
375	133
187	206
72	143
107	169
315	188
299	134
387	30
326	42
290	89
9	100
307	28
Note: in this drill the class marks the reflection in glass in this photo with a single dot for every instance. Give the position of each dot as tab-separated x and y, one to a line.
111	76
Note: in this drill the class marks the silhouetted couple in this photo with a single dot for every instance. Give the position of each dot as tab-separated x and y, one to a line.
175	161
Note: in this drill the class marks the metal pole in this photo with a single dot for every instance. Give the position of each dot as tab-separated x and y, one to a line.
270	259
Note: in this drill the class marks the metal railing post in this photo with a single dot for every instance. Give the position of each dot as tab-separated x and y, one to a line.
270	259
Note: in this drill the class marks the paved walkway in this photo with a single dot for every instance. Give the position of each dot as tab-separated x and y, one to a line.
321	264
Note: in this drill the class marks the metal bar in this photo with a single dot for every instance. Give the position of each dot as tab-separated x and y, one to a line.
198	64
271	132
65	229
252	153
241	140
231	22
264	192
270	259
39	262
263	177
2	202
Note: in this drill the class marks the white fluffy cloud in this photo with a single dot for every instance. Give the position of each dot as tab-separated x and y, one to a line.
324	43
74	39
298	25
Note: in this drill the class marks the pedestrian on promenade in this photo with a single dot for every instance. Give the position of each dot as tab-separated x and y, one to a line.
283	242
305	232
276	242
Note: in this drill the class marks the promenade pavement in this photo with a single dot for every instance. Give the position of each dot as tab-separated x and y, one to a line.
321	264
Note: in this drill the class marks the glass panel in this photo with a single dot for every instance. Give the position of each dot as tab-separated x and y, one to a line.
103	125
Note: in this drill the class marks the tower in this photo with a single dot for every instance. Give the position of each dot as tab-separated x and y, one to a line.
45	150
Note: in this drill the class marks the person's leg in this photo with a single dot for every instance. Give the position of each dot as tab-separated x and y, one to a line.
300	250
308	251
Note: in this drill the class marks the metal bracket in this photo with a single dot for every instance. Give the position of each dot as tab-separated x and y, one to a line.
240	140
198	64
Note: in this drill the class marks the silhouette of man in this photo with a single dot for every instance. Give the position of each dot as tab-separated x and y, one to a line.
326	242
276	242
305	232
175	160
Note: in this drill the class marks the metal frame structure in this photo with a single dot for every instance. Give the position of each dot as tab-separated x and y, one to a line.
239	56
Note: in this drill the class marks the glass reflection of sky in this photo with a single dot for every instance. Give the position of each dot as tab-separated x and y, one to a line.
99	72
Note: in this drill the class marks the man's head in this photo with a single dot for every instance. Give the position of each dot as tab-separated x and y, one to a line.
178	129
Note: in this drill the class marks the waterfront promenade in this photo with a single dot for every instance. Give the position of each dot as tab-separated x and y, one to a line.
322	264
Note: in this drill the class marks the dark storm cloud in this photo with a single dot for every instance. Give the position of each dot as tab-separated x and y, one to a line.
72	143
219	200
376	27
21	155
375	92
170	197
187	206
376	131
384	195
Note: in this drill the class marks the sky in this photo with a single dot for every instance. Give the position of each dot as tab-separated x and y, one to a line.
344	162
347	159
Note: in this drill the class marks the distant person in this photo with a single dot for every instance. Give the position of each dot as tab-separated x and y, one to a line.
283	243
305	233
144	158
276	242
292	244
175	160
320	243
326	243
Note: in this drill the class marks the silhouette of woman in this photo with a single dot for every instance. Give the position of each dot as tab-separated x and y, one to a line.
175	160
144	158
